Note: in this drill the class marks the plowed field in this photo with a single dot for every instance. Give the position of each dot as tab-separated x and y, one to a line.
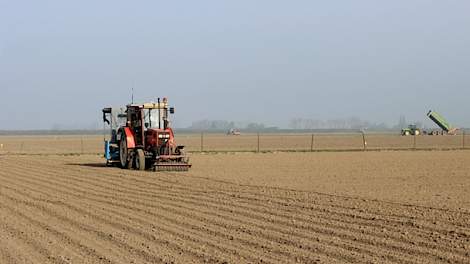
211	142
375	207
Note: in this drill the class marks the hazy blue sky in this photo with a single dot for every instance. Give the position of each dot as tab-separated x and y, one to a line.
266	61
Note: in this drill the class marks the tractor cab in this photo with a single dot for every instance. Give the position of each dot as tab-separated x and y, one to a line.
150	124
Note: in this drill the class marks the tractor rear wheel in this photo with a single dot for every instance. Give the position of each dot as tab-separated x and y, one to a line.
140	160
124	153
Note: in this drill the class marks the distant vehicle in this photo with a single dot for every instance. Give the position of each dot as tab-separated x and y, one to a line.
446	127
234	132
411	130
439	120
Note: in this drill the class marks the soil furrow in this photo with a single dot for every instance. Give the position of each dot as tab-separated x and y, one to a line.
13	250
352	238
301	205
107	201
375	243
364	214
43	252
174	232
259	192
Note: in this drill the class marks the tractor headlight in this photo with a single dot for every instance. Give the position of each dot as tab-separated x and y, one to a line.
163	135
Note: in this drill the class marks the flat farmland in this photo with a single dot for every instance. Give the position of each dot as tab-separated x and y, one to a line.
63	144
322	141
320	207
92	144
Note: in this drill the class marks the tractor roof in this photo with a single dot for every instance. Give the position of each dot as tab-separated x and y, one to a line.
149	105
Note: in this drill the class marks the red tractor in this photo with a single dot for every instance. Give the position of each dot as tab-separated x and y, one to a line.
141	138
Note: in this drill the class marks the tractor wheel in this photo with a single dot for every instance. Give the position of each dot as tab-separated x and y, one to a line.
140	160
407	133
124	153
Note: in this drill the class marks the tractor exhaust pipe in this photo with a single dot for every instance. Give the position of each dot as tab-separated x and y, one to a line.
159	114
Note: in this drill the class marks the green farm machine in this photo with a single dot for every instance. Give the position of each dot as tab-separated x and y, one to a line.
411	130
445	127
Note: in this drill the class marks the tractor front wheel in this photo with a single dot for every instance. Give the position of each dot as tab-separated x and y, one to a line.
140	160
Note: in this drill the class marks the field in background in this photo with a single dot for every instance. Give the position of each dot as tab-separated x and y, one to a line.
88	144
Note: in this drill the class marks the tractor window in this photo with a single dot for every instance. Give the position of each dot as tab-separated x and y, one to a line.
151	118
118	117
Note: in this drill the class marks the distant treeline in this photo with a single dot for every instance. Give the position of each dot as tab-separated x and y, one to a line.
223	125
297	124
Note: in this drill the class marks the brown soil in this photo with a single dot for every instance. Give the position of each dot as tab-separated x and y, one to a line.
238	208
246	142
